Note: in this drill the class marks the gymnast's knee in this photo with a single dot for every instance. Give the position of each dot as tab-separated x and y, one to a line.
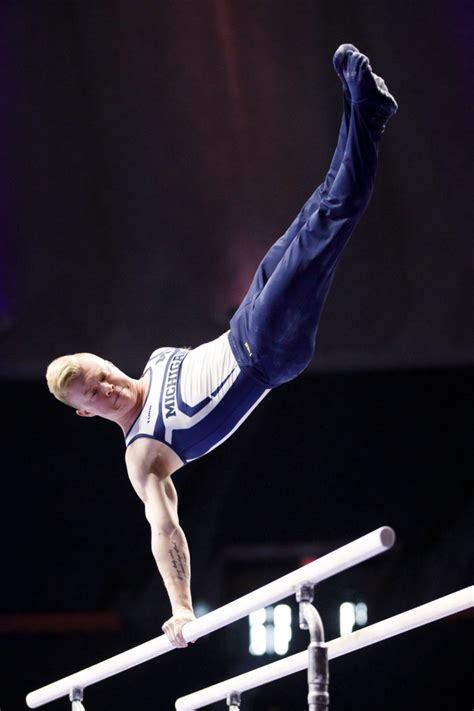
348	209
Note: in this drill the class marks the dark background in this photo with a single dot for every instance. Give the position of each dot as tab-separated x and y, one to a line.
151	153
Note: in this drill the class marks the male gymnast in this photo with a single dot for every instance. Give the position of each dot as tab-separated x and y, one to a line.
187	402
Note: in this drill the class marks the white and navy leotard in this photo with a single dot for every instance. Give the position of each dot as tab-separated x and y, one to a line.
196	398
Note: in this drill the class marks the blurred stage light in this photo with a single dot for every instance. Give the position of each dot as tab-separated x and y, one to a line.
351	614
270	630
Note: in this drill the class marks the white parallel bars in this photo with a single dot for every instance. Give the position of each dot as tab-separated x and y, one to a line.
431	611
345	557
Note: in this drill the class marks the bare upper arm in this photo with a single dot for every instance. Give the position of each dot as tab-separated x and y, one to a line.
154	486
161	503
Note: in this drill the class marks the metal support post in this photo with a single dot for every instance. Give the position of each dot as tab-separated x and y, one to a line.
76	696
233	701
318	669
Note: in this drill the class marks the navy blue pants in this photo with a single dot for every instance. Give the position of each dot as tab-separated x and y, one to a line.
273	332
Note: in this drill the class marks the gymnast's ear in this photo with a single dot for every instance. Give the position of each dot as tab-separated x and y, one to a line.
84	413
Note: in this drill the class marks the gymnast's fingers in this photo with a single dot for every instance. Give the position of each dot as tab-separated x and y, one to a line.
173	630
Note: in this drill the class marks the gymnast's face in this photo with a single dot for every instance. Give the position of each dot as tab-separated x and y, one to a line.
99	389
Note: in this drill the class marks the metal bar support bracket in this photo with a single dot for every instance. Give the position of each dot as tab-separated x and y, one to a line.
318	668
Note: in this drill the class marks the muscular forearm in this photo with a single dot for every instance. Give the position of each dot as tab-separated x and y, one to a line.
171	553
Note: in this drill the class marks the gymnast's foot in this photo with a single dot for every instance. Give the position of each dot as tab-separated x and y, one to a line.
364	87
340	57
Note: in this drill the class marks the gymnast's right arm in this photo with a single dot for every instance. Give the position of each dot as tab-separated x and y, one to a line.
168	545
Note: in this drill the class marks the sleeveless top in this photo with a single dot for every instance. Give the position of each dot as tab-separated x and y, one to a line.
196	398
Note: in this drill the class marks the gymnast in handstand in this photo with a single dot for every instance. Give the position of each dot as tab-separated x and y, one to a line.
187	402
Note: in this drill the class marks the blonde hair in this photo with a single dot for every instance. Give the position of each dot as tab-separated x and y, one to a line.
59	374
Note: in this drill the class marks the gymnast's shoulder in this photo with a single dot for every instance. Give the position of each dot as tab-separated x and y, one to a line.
147	456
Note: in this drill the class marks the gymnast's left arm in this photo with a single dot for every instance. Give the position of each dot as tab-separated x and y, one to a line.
169	547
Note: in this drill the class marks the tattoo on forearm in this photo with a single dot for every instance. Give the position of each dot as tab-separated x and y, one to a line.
178	562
